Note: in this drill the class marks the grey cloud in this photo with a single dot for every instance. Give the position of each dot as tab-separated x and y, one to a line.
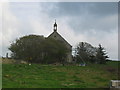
104	8
84	16
100	9
80	17
78	8
86	23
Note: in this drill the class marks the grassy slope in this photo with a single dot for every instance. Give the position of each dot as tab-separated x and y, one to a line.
41	76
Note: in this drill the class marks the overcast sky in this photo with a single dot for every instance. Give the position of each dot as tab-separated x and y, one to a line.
92	22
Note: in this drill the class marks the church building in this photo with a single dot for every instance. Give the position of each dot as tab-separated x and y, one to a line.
55	35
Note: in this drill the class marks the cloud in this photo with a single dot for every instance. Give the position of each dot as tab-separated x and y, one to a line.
41	26
85	15
79	8
0	28
10	24
77	22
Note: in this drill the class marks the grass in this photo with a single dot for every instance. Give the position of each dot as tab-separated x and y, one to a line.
48	76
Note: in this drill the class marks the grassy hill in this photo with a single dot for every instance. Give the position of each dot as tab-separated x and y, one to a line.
51	76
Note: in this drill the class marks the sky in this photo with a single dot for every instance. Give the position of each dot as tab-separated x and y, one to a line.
92	22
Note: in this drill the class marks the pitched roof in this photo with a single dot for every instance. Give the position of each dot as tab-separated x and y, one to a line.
62	39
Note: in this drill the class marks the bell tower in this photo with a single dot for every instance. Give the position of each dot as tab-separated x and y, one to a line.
55	27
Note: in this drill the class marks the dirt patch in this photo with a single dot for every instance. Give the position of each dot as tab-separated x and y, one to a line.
12	61
7	61
111	69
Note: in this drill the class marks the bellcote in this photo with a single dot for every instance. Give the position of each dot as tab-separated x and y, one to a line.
55	26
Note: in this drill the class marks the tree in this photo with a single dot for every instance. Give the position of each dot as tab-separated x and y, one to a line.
101	56
55	51
38	49
29	48
81	53
85	52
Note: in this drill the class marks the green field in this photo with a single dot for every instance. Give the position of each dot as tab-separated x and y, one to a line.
50	76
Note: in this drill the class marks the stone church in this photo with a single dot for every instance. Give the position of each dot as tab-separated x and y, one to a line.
55	35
